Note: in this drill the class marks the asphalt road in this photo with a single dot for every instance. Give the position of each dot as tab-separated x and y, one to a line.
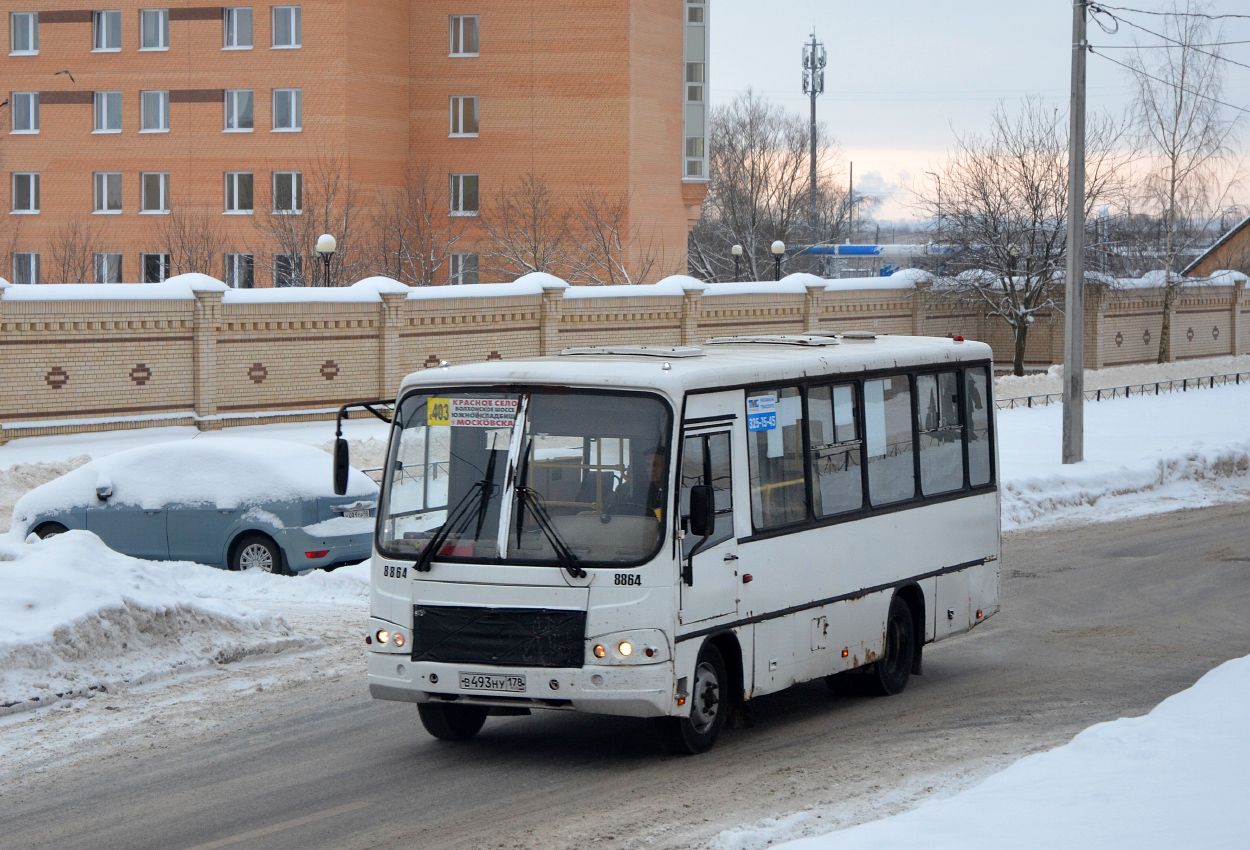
1097	622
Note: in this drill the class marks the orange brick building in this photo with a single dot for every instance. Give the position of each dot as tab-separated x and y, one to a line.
122	118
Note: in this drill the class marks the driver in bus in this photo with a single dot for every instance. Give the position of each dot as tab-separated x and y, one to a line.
643	494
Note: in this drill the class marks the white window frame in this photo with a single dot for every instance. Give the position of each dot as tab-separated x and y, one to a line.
297	191
162	181
456	105
31	261
32	191
100	107
232	111
32	108
106	22
102	259
297	27
237	264
458	271
29	21
164	268
297	268
163	98
162	34
230	25
232	191
456	195
297	110
101	181
456	25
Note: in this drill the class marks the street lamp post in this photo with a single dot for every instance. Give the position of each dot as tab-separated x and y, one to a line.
737	252
325	249
778	249
938	178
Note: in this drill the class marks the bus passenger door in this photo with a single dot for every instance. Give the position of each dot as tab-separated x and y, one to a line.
712	590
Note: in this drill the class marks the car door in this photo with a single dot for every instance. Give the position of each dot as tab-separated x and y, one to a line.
709	587
198	533
130	529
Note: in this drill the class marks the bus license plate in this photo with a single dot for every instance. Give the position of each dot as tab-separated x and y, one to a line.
360	514
490	682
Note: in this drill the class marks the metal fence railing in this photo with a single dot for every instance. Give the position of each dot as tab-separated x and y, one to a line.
1156	388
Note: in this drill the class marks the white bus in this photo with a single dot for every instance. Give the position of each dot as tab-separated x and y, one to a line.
672	532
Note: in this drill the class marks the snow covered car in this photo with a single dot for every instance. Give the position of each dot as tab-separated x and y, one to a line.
232	502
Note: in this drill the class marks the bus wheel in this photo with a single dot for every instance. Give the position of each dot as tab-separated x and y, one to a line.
890	673
708	709
452	722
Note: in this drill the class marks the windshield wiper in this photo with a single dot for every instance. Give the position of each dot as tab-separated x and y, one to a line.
454	516
529	499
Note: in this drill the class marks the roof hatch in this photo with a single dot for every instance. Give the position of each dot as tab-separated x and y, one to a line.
814	340
669	352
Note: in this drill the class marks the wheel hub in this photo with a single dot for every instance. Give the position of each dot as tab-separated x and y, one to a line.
706	698
256	555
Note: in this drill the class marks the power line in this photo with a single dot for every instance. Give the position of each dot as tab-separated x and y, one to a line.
1194	47
1200	44
1175	14
1167	83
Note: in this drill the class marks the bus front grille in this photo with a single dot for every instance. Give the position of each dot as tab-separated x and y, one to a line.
505	637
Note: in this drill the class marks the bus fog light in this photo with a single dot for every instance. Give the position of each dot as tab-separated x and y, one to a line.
399	639
383	636
626	648
600	652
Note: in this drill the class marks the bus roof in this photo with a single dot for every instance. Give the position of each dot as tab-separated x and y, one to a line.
719	363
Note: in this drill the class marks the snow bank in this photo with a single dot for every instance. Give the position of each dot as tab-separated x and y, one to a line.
226	472
19	479
77	617
1174	778
1051	381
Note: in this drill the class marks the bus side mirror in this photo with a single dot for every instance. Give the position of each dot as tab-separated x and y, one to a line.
341	466
702	511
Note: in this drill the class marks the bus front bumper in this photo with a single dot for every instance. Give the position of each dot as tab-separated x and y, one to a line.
629	691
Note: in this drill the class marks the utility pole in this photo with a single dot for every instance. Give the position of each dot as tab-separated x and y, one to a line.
813	85
1074	286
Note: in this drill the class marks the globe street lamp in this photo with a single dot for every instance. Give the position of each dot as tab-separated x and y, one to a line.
778	249
737	252
325	248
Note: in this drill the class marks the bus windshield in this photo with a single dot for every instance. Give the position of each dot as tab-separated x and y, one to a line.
588	483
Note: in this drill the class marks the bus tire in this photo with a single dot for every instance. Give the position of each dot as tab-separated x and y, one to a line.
889	675
709	708
452	722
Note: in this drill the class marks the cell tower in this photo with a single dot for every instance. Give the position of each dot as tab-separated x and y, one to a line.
813	86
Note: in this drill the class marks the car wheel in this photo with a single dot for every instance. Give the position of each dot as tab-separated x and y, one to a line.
890	673
256	551
709	708
50	529
452	722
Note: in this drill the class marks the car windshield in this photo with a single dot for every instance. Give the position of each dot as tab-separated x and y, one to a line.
589	473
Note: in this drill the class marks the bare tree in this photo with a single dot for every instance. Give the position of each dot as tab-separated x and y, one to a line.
1182	124
527	230
194	241
73	249
413	231
608	249
1004	206
328	205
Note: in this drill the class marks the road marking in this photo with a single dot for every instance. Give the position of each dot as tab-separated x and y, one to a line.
278	827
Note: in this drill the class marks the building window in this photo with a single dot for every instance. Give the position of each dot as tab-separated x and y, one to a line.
238	111
694	12
25	108
155	108
464	116
288	110
286	26
154	29
464	35
106	30
26	268
463	268
288	192
24	37
26	193
108	191
108	112
108	268
238	22
155	267
287	269
464	194
239	271
239	192
155	192
694	156
694	82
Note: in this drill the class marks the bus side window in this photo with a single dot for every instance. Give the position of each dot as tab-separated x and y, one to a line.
977	404
775	454
706	460
941	433
835	448
887	435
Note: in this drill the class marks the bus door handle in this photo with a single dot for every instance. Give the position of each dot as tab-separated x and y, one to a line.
730	556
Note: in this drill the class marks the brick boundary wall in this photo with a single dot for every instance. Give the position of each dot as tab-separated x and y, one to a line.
211	357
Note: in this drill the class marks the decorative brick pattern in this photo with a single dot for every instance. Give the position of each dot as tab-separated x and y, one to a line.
329	370
56	378
141	374
257	373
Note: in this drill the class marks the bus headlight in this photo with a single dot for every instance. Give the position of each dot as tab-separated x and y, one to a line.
639	646
388	637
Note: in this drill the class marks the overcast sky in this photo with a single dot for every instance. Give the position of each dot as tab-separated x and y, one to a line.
905	75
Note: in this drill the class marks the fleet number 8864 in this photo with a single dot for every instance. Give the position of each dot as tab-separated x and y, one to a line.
628	579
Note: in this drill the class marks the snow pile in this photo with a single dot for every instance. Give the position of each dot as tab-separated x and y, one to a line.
1051	381
1145	454
20	478
1174	778
77	618
226	472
